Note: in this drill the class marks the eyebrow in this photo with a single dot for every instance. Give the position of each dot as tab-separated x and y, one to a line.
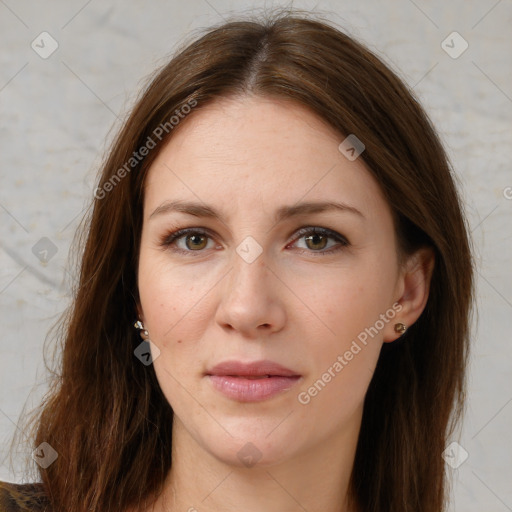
283	213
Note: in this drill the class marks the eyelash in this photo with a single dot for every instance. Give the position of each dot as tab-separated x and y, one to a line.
170	238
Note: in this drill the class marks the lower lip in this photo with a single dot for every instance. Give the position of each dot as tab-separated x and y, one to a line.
251	390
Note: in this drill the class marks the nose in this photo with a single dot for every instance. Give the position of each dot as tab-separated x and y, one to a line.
251	299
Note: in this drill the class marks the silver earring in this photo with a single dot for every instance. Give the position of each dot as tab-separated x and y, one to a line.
144	334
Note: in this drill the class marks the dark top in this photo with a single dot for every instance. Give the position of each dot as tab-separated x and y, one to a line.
23	497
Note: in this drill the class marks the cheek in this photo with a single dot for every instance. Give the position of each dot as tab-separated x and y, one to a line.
354	306
337	393
343	359
352	299
176	311
172	299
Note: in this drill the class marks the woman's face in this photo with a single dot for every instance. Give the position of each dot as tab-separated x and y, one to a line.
252	281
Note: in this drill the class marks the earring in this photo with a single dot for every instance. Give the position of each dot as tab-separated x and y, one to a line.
144	334
400	328
146	351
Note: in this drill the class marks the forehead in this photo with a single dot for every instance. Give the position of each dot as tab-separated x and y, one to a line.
252	151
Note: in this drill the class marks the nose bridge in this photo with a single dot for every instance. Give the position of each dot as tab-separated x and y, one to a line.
249	298
249	272
248	257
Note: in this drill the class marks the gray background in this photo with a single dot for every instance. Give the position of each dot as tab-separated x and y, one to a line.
58	114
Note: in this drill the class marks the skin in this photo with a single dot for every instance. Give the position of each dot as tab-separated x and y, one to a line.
246	157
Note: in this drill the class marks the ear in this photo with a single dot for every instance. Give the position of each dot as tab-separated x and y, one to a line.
413	288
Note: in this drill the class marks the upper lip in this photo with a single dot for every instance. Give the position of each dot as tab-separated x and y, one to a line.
251	369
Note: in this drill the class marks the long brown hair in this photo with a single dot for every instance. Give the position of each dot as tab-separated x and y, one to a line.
105	414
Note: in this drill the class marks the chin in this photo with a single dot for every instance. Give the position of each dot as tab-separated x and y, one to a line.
248	448
249	454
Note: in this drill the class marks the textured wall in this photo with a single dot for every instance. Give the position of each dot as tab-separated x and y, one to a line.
57	112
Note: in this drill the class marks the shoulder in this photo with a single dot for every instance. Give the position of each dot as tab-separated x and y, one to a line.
23	497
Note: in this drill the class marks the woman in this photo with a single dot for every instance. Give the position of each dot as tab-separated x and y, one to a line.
278	221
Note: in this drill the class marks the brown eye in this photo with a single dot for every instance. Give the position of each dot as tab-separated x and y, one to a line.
316	241
196	242
320	241
188	240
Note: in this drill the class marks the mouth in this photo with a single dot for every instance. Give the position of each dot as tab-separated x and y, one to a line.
251	382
